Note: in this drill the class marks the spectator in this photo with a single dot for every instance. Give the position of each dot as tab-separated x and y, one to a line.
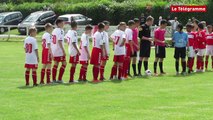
174	24
159	21
142	18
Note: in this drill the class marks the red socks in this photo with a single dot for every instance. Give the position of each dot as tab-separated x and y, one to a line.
113	71
83	73
95	72
190	63
34	75
27	77
72	72
120	73
126	66
102	72
54	72
42	76
48	72
61	72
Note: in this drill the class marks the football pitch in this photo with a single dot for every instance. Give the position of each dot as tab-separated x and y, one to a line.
165	97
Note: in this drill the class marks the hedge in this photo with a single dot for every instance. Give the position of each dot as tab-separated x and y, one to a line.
109	10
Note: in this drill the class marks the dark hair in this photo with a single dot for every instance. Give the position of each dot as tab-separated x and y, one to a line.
149	18
48	25
88	27
189	26
73	24
58	21
180	26
163	22
101	25
106	22
136	20
131	22
200	25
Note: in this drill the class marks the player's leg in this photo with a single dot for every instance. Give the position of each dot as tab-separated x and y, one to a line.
145	63
155	66
134	59
113	71
61	71
161	66
212	61
177	66
96	69
27	76
43	73
72	72
54	70
183	63
120	71
85	66
34	76
48	73
139	66
206	62
102	67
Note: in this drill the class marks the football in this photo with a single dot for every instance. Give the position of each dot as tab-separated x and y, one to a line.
148	72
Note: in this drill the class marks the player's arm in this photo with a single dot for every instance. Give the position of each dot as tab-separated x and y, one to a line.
49	48
123	42
36	52
87	51
61	46
157	40
75	46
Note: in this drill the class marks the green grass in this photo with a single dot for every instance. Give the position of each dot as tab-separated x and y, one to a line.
153	98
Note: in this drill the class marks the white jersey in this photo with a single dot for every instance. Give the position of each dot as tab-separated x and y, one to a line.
72	37
106	41
46	39
129	35
57	35
118	37
84	43
30	46
98	39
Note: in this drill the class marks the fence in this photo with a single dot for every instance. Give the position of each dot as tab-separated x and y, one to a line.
7	35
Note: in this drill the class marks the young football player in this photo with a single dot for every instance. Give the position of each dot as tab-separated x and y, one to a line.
119	38
180	40
201	44
129	47
32	58
191	44
46	53
145	44
106	40
58	51
98	51
209	46
160	47
85	54
72	40
135	45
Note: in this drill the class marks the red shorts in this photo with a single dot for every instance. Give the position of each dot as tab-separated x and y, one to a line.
31	66
128	50
105	58
46	57
60	59
95	56
119	58
74	59
84	62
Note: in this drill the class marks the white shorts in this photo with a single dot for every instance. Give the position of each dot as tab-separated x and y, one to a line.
191	52
201	52
209	50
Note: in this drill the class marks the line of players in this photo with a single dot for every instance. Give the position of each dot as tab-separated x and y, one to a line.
125	46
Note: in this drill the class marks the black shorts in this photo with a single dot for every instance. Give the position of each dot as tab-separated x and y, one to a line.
160	51
134	54
180	53
145	49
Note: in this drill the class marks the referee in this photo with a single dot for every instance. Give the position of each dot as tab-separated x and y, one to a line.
145	44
